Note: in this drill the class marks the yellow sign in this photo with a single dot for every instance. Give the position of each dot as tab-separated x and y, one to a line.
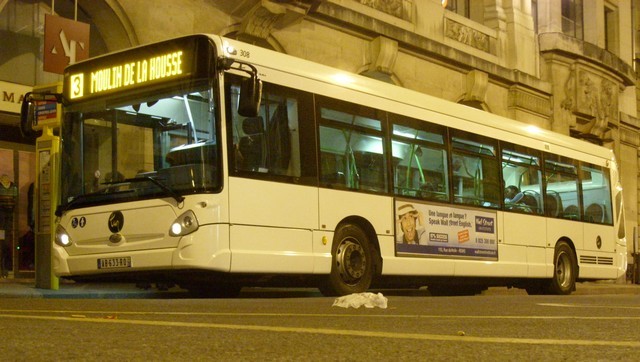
127	74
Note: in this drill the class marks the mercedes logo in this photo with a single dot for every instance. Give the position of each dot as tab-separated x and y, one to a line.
116	221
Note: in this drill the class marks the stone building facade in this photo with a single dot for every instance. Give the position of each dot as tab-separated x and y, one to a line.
563	65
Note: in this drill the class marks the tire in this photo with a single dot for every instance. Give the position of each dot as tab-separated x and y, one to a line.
352	265
565	270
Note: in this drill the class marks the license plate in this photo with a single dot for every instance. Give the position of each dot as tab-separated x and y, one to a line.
114	263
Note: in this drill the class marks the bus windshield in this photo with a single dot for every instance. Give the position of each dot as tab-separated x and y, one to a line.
156	147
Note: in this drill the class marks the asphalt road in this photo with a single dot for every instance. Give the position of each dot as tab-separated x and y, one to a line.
307	327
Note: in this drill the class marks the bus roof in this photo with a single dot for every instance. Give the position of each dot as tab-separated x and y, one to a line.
448	112
314	71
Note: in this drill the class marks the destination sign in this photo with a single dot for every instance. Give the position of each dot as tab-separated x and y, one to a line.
128	74
136	68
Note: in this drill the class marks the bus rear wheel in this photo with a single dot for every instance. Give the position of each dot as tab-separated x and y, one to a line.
565	270
352	266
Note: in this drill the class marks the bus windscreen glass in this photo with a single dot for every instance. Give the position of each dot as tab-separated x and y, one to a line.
160	147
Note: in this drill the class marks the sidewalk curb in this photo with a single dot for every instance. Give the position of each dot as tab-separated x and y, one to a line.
68	290
25	288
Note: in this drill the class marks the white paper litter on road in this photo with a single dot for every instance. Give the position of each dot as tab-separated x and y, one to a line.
356	300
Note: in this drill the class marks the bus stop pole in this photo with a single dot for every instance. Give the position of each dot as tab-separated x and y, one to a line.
47	189
47	176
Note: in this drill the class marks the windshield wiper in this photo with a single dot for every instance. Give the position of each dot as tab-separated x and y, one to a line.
175	195
107	193
61	209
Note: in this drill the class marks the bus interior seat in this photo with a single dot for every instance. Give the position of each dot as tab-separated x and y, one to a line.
572	212
594	213
201	152
189	162
531	202
251	145
553	204
331	172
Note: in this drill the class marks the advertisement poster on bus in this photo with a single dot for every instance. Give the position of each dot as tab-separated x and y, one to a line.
438	230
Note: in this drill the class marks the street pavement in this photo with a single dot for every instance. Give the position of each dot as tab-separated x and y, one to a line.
26	288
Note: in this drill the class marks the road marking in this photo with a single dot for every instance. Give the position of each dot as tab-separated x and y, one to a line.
323	315
338	332
570	305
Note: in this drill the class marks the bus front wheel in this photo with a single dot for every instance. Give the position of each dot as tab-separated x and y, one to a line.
351	262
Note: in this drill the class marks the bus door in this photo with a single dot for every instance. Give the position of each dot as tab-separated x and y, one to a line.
272	197
523	201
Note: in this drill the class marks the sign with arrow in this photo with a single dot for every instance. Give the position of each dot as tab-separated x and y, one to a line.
65	42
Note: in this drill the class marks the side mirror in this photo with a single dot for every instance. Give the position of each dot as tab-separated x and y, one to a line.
38	109
250	95
27	116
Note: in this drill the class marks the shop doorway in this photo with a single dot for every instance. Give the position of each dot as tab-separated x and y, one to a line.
17	248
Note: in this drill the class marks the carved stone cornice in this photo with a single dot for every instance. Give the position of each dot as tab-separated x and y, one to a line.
338	14
591	100
629	130
629	137
383	53
266	15
578	49
467	35
401	9
523	98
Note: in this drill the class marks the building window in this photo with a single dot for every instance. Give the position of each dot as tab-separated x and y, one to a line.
473	10
460	7
572	22
534	15
611	28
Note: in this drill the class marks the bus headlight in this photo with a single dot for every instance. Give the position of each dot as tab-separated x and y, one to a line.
185	224
62	237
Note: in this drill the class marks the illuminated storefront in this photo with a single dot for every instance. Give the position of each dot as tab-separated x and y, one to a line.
21	68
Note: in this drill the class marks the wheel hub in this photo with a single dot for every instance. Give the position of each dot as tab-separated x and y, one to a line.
351	261
563	270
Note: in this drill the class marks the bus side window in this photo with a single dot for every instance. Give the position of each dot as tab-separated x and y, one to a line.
351	146
522	179
475	169
251	146
561	192
419	159
596	194
264	142
269	145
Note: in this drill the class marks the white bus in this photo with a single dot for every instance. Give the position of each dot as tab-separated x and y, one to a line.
213	164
